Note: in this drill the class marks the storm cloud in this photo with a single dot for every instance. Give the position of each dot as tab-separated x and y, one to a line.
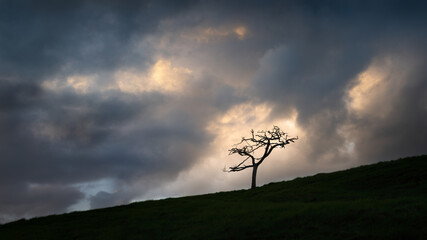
107	102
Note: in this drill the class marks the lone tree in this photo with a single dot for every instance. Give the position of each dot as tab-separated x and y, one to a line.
263	140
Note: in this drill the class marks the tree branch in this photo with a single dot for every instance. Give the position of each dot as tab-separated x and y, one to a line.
269	140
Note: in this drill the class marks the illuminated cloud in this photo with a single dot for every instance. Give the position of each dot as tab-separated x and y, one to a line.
162	77
241	32
376	90
79	83
212	34
228	128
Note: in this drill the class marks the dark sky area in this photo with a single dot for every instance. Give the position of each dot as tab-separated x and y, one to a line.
108	102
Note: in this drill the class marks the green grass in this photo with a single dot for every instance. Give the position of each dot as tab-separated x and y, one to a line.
387	200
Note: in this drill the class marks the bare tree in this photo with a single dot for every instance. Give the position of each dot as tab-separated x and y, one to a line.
263	140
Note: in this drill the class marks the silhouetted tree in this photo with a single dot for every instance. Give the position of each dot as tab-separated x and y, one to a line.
266	142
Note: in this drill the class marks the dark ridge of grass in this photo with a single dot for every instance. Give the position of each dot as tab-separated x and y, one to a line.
387	200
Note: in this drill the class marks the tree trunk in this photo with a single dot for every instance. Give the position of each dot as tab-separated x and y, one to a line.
254	170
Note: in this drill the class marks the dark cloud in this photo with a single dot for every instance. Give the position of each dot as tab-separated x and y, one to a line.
19	200
44	37
311	70
300	55
90	141
402	131
69	138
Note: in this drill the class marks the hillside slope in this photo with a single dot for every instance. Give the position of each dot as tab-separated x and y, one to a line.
387	200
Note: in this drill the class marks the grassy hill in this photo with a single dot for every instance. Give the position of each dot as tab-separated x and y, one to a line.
387	200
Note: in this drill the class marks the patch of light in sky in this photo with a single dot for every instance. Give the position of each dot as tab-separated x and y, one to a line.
91	189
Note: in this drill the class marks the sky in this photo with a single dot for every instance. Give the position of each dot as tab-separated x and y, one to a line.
105	103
